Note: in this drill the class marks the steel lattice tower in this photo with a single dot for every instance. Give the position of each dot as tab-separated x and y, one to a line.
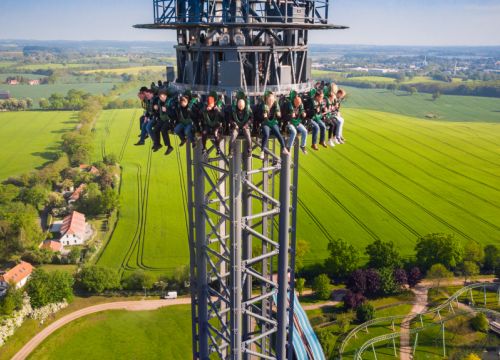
242	210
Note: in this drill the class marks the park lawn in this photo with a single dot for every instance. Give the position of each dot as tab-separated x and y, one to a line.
128	70
159	334
397	177
31	139
44	91
68	268
31	327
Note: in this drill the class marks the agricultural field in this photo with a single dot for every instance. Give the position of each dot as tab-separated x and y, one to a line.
44	91
31	139
128	70
397	177
159	334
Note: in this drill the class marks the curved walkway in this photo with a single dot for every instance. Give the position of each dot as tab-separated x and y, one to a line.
120	305
419	306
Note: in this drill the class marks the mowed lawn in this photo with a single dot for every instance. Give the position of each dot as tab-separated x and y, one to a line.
30	139
396	178
159	334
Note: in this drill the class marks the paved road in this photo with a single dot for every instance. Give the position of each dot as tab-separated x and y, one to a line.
120	305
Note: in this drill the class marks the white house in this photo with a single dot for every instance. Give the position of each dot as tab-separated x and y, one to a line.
18	275
74	230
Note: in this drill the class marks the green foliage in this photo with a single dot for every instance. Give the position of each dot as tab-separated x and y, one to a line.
38	256
299	285
45	288
38	196
139	280
97	279
365	312
438	272
438	249
343	259
301	250
491	257
472	356
469	269
321	287
12	301
388	285
74	255
480	323
382	255
473	251
327	341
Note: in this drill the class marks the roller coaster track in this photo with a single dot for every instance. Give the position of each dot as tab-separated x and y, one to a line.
392	336
433	311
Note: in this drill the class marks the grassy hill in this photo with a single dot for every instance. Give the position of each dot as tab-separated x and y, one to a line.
30	139
398	177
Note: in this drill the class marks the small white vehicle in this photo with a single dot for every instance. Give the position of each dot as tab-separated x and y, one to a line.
170	295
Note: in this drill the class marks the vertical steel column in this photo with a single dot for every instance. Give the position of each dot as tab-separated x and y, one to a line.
222	234
293	243
192	254
236	273
201	263
284	238
266	304
247	243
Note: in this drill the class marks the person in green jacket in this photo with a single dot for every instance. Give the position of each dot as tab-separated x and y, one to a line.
271	117
240	119
163	122
184	118
296	114
211	122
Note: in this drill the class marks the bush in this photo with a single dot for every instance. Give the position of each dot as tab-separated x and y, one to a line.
96	279
38	256
46	288
139	280
414	276
480	323
343	260
321	287
12	301
365	313
353	300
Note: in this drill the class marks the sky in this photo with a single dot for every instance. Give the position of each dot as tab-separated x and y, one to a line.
371	22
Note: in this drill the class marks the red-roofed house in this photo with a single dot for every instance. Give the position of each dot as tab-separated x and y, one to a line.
18	275
76	194
94	171
52	245
73	229
89	168
12	82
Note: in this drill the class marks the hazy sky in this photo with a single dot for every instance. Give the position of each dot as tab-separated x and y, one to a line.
381	22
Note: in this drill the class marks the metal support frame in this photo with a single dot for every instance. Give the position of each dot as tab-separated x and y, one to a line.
232	242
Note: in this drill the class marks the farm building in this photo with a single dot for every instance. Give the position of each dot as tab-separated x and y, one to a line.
12	82
52	245
90	169
18	275
4	95
76	194
74	229
34	82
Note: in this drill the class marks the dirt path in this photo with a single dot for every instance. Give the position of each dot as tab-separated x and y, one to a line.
121	305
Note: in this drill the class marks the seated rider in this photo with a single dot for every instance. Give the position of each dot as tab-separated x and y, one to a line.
297	116
212	122
149	120
330	119
164	122
240	119
339	138
271	116
184	120
318	126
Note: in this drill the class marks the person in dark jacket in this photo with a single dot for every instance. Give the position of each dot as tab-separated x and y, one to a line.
271	115
163	122
184	120
212	122
149	120
297	116
240	119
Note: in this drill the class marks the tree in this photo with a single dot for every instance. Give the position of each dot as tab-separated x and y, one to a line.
388	285
357	281
45	288
373	282
38	196
480	323
74	255
13	300
382	254
436	95
96	279
400	278
473	251
412	90
365	312
491	258
139	280
109	201
299	285
321	287
301	250
352	300
438	272
343	260
414	276
438	249
469	269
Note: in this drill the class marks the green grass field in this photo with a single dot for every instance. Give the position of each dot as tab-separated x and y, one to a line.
159	334
397	178
44	91
128	70
30	139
